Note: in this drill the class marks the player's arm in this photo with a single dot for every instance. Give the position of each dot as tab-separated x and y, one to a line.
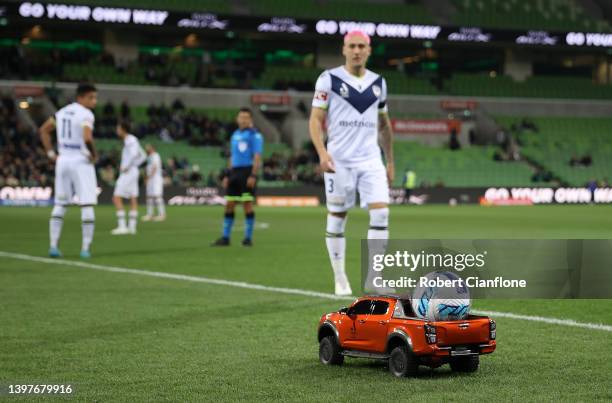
226	172
315	125
257	151
89	143
153	172
133	156
45	137
386	134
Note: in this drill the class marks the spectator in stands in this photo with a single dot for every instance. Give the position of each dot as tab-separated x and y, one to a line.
541	175
409	184
124	111
574	161
454	141
592	186
586	160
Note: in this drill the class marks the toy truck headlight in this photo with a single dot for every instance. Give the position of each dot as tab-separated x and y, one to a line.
430	334
492	329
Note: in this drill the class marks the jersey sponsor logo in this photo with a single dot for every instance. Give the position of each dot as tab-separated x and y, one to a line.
243	146
357	123
321	95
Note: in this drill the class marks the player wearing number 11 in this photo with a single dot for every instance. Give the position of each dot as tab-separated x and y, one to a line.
74	166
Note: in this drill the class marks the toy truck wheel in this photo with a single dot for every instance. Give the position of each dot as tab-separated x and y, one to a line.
329	351
402	362
465	364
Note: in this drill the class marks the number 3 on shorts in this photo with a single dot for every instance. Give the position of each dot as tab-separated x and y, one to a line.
330	185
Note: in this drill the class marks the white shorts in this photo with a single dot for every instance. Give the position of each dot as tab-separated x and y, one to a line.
155	187
368	178
75	182
127	184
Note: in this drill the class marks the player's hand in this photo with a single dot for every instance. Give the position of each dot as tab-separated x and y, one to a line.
327	165
52	155
224	183
93	158
251	182
390	173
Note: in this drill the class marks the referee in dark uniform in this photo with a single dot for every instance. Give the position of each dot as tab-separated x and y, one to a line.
241	176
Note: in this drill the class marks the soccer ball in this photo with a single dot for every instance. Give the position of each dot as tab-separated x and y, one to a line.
441	303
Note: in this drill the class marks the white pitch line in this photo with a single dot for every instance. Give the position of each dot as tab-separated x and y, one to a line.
281	290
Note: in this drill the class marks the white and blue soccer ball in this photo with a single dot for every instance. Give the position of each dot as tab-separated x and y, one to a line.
435	303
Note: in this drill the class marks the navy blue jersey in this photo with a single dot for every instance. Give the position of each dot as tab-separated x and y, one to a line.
244	145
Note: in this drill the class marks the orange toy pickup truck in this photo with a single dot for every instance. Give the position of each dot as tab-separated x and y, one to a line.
385	328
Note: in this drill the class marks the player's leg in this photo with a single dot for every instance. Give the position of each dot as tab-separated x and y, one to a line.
63	193
248	197
55	229
161	208
120	212
228	222
86	187
88	226
159	200
374	193
150	207
249	223
233	195
133	216
340	196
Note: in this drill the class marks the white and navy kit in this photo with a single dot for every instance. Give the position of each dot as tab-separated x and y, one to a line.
353	106
132	156
75	174
155	182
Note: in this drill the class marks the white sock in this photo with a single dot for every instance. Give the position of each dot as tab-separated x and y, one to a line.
336	247
379	233
150	206
88	226
133	219
55	225
121	219
161	207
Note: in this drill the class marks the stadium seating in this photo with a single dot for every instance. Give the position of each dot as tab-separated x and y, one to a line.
558	139
554	15
398	82
533	87
473	166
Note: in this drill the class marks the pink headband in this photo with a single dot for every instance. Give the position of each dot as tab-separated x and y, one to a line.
357	32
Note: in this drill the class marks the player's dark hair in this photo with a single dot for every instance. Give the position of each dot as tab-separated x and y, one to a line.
125	125
247	110
84	88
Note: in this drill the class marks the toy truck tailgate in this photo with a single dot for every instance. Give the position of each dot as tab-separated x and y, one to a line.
473	330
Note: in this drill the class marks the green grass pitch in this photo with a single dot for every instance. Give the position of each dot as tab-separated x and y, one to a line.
118	336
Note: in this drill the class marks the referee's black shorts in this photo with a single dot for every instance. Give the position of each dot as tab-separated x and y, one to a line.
237	189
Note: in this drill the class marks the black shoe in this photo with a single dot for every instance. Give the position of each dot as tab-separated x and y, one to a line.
221	242
247	242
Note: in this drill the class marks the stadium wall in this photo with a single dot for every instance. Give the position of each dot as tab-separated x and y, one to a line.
301	196
400	105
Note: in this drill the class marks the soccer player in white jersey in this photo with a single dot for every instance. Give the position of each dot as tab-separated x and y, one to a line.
155	186
351	100
126	187
75	174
